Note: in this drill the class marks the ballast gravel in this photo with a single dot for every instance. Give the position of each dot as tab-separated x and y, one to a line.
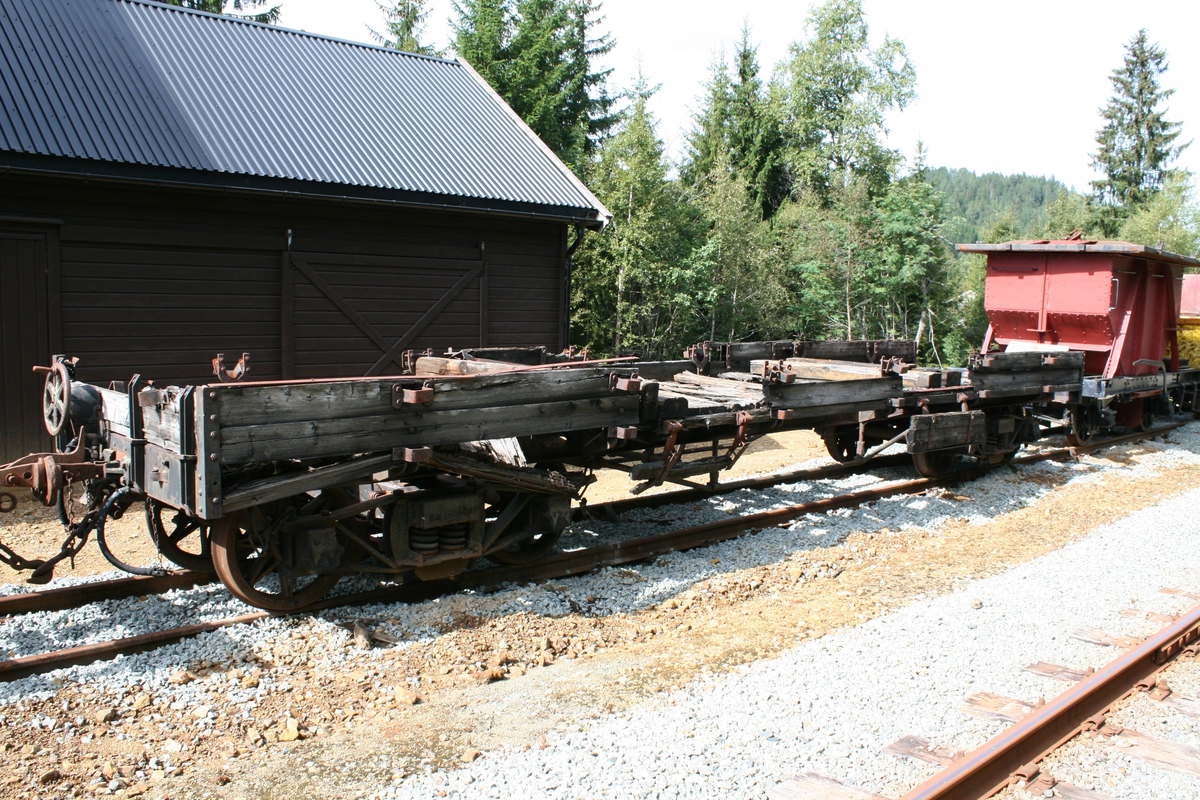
832	705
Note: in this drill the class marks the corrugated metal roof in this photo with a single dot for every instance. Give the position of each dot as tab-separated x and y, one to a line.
1080	246
129	82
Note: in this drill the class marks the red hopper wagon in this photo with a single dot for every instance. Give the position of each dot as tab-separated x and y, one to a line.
1117	303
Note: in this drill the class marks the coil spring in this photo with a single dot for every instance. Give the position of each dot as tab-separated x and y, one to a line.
423	541
453	538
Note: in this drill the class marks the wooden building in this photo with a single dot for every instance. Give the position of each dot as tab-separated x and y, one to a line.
175	184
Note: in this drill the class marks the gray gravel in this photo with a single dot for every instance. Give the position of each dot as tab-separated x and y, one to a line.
832	705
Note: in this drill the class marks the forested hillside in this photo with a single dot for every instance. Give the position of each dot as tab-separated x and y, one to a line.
974	202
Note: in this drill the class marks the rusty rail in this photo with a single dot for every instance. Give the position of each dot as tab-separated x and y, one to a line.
565	565
990	768
118	589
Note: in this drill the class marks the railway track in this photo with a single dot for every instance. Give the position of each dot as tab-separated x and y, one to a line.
560	566
1012	757
1017	756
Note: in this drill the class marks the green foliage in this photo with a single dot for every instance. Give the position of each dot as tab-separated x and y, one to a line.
1170	219
633	289
1137	143
741	296
834	93
912	289
233	8
966	320
539	55
830	245
756	141
404	23
1069	212
709	136
973	201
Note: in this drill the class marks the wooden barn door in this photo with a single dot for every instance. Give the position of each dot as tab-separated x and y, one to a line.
355	314
24	340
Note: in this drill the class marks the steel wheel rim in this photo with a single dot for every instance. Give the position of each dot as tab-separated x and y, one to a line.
235	547
169	540
56	396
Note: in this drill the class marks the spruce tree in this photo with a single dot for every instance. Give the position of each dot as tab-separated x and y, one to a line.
755	137
539	55
482	32
404	23
1137	142
709	136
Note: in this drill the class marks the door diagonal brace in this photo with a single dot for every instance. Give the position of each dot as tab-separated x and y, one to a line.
393	354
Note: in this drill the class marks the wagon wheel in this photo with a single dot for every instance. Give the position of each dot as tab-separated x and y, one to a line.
56	399
1079	428
843	445
1147	422
538	544
181	538
934	464
247	553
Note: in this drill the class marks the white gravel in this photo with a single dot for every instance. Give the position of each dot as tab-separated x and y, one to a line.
818	707
832	705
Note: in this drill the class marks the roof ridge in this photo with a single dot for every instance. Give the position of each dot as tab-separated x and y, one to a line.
282	29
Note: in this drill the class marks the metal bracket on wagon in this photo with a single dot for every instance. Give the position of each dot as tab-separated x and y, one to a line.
402	396
618	384
231	375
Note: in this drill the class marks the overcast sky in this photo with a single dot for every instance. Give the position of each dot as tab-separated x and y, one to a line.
1009	87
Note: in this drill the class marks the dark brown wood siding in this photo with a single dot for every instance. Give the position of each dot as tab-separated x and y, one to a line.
24	338
157	281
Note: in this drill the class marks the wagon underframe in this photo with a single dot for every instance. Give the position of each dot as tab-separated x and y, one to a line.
286	485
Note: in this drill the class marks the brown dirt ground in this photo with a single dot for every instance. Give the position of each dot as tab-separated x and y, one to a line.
594	666
772	452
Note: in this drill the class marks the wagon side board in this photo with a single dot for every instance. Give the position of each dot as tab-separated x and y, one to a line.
816	397
335	420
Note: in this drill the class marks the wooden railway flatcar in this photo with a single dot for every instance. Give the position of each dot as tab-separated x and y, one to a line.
285	486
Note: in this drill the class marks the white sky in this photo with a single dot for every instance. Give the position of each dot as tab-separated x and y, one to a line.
1009	87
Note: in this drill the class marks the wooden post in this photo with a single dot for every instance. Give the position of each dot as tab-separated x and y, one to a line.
483	295
287	314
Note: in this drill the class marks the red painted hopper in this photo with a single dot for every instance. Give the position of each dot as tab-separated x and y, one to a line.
1116	302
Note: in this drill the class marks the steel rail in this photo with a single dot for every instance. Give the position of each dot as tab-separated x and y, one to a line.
97	591
990	768
561	566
